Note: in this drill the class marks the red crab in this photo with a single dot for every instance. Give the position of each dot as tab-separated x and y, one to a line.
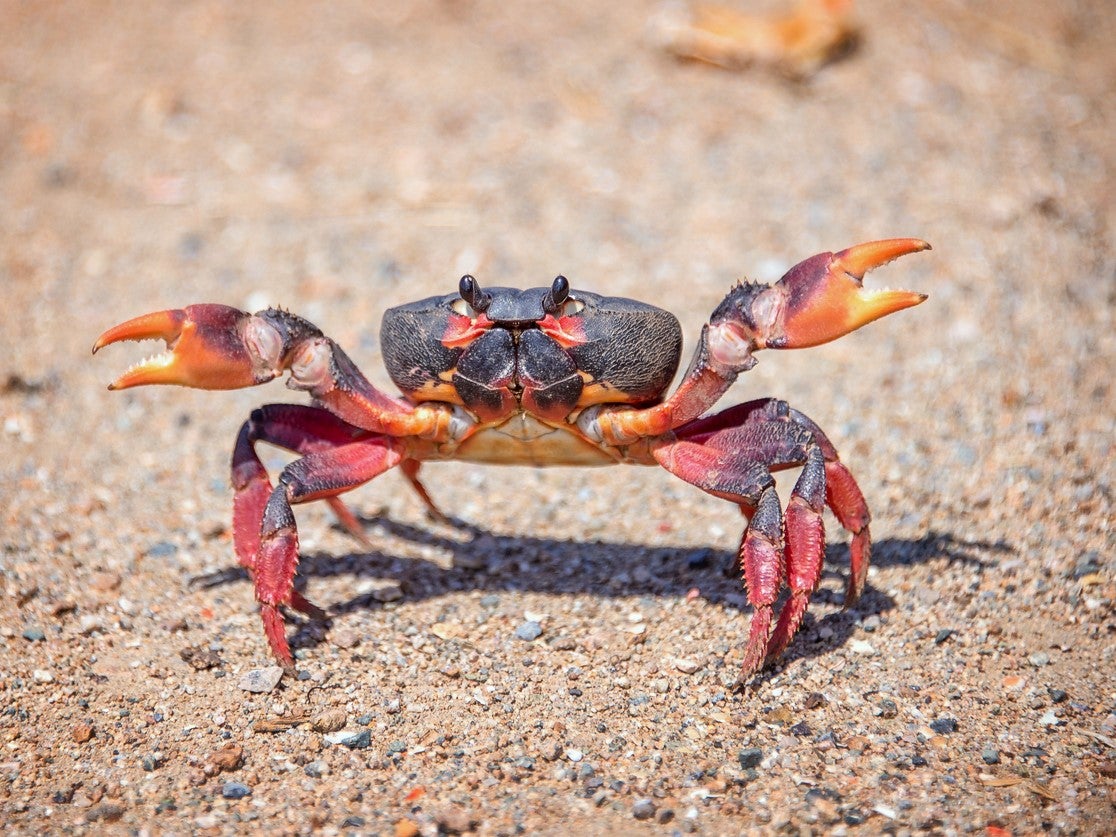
543	376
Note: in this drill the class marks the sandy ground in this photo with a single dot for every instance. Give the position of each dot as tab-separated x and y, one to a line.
340	158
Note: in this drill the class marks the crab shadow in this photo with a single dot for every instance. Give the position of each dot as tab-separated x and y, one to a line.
480	560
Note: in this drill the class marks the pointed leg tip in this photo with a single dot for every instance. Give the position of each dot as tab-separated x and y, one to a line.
753	664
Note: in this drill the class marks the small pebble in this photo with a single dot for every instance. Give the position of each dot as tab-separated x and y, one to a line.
42	675
200	659
82	732
230	757
687	666
944	726
529	631
329	720
859	646
815	700
235	790
1087	564
261	680
801	729
990	755
316	769
887	708
643	809
853	816
90	622
574	754
162	549
34	634
1039	659
353	740
750	757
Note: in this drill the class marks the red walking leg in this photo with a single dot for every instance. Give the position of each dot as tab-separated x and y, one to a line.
316	476
293	427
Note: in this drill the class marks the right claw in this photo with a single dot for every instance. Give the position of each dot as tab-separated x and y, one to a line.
818	300
210	347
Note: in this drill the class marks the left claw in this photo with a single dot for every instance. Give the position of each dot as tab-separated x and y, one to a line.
817	300
209	346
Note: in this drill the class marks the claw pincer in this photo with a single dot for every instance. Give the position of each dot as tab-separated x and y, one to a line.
816	301
209	346
826	298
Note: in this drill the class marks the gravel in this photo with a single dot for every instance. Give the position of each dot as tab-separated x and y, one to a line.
529	631
261	680
338	162
235	790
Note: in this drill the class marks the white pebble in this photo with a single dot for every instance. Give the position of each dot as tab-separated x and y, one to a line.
687	666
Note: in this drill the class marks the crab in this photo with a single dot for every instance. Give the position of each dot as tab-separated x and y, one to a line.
542	376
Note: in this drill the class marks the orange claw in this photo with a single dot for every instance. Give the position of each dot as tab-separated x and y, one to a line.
826	299
210	347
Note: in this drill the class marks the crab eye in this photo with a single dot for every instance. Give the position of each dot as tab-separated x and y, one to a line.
471	292
468	288
558	294
560	289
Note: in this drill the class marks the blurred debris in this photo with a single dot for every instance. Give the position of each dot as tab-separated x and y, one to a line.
796	43
17	384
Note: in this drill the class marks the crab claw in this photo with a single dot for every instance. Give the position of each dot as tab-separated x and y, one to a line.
209	346
825	298
816	301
